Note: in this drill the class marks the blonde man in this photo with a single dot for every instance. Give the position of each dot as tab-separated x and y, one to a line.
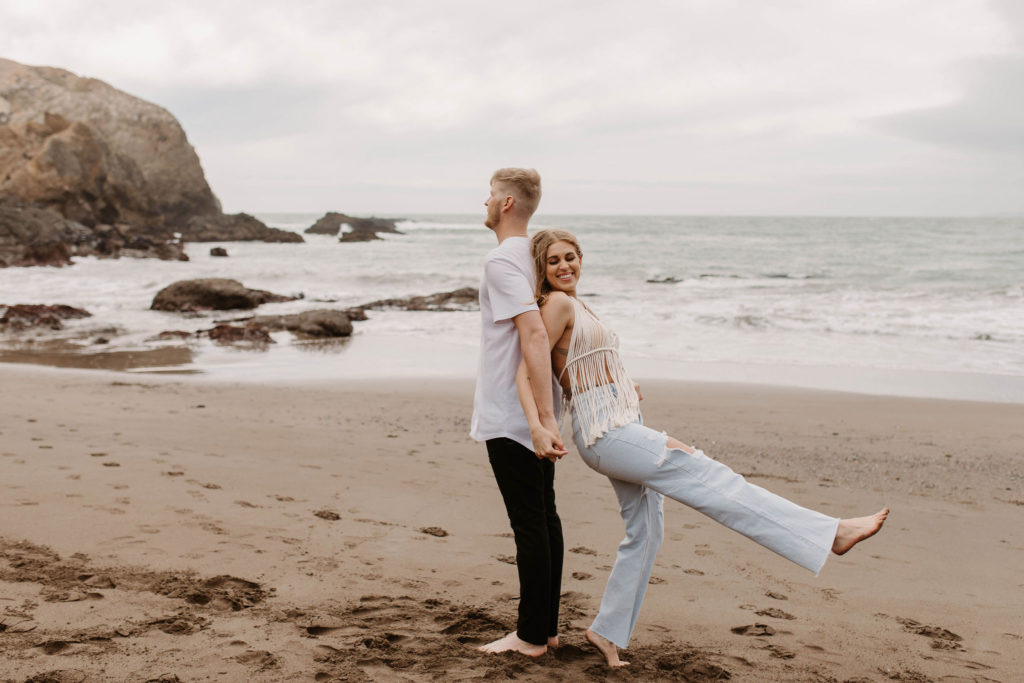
523	461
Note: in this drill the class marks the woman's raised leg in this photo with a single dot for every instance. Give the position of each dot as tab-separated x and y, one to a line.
640	455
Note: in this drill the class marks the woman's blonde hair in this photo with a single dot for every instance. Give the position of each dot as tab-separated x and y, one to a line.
539	244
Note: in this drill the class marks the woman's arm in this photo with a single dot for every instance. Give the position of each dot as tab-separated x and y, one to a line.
557	315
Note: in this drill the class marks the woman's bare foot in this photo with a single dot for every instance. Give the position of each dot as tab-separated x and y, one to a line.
553	641
853	531
607	648
513	643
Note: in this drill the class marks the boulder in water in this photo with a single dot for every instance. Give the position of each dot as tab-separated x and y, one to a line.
218	294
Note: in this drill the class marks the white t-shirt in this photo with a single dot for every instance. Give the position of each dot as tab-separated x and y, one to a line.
505	291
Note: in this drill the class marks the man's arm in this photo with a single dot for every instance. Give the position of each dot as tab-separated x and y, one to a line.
544	440
533	339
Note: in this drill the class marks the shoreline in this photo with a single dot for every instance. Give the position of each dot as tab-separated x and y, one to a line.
375	355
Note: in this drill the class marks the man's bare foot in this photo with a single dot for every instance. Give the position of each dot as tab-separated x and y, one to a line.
513	643
853	531
607	648
553	641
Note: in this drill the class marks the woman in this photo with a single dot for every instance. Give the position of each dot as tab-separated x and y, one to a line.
643	464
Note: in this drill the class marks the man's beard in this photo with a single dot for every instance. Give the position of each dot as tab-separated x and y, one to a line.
493	217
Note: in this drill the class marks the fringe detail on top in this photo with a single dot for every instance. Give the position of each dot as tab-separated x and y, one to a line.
593	358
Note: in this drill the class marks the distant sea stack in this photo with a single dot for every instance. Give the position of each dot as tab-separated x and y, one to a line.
100	172
361	229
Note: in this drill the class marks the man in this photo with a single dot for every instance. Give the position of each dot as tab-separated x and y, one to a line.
512	330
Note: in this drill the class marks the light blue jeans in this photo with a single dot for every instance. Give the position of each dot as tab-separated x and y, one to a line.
642	470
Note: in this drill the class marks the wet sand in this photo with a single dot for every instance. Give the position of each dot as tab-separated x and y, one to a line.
163	528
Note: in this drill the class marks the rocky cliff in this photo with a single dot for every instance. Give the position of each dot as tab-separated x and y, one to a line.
95	156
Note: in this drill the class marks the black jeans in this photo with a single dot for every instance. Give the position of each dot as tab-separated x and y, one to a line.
527	485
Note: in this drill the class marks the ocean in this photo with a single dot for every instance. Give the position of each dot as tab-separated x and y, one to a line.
916	306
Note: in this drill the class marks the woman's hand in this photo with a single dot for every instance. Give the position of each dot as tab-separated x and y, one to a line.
546	444
639	393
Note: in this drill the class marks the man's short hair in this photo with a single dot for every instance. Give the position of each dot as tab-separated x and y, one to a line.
523	184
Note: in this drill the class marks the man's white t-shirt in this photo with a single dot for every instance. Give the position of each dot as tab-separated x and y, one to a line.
505	291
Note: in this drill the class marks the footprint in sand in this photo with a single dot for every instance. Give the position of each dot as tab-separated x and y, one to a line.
774	612
261	659
182	624
111	464
17	625
776	596
328	515
655	580
942	639
583	550
779	652
753	630
97	580
581	576
693	572
434	531
507	559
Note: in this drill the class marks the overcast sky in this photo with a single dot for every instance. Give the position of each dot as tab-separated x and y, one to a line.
651	106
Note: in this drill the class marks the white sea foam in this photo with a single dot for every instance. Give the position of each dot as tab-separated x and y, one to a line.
931	295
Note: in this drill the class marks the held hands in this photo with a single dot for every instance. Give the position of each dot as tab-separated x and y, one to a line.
639	394
547	443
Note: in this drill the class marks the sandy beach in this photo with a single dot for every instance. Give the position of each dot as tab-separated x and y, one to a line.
169	529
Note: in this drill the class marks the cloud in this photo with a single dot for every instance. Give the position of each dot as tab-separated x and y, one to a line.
988	115
748	107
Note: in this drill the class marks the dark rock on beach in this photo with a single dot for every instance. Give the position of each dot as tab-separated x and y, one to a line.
171	335
88	169
31	236
219	294
466	298
249	334
219	251
23	316
316	323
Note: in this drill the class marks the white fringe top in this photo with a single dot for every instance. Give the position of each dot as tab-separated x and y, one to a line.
593	358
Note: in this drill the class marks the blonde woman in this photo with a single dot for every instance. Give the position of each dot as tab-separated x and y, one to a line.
643	464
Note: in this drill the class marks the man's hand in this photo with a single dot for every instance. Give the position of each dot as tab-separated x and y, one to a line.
639	394
547	443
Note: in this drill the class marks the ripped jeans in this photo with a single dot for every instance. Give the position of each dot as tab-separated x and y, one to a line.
642	470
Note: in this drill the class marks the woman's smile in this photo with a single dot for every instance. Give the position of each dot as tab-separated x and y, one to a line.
563	267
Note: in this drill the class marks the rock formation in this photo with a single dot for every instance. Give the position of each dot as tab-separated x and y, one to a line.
353	236
229	334
362	229
23	316
95	156
322	322
218	294
464	299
